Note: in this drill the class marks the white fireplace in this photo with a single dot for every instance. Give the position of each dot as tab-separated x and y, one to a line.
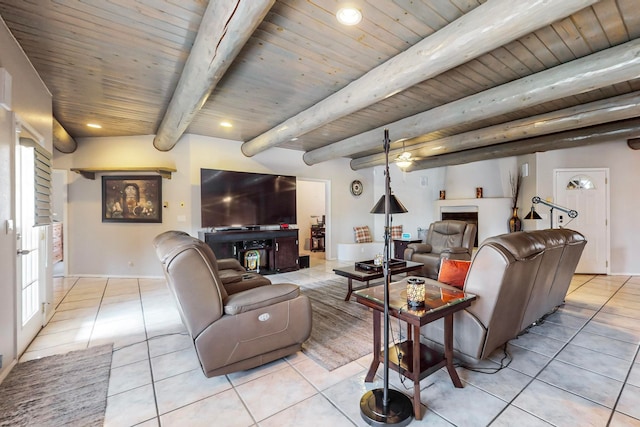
493	213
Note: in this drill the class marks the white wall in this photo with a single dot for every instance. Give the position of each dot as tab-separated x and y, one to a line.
415	190
624	175
59	194
528	190
32	102
419	190
492	175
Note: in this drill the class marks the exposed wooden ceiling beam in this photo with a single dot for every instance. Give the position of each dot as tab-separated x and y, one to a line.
485	28
62	141
610	66
575	138
225	28
594	113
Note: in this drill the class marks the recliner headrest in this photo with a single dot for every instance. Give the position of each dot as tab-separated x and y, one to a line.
521	244
448	227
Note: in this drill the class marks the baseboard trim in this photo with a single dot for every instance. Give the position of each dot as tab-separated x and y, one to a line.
114	276
5	372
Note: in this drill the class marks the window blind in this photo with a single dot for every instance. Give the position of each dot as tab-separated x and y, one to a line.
41	181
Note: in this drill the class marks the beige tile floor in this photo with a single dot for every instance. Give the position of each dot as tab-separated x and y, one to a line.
578	368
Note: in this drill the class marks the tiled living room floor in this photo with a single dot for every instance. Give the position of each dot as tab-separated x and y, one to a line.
579	368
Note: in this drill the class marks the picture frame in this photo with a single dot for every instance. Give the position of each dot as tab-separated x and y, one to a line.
133	198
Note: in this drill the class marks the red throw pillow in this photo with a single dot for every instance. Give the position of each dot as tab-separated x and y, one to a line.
396	232
453	272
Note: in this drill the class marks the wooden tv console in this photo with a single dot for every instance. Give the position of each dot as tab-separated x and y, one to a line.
278	248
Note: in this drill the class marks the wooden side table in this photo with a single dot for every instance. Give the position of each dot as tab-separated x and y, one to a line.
418	361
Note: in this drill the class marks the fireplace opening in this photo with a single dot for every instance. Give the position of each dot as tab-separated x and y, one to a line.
468	217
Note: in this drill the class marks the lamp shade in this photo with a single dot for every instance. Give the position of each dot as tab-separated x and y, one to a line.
533	214
395	206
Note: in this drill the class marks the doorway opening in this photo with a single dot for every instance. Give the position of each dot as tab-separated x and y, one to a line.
314	219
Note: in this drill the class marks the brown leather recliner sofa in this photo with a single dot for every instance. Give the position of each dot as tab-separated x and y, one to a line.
445	239
518	278
231	332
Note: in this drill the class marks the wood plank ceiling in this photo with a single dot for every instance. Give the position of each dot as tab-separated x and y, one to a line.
118	62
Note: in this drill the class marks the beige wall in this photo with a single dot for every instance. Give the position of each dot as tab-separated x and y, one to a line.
96	248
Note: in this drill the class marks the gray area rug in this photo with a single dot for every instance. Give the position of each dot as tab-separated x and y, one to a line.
342	330
67	389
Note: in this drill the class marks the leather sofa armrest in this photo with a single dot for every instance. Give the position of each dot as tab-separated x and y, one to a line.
230	264
420	247
230	275
456	250
263	296
458	253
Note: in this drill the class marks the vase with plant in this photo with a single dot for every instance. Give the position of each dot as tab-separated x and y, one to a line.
515	223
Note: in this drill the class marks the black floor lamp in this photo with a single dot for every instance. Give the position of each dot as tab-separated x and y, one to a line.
571	213
384	407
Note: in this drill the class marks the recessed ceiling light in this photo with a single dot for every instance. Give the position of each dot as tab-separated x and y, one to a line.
94	125
226	124
349	15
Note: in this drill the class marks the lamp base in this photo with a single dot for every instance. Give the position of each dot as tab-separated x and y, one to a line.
399	411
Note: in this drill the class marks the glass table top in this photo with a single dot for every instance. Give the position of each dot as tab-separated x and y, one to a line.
437	297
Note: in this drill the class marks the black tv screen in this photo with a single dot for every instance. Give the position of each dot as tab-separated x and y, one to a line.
231	199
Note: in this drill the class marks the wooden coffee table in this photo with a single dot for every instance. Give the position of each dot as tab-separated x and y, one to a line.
418	361
355	273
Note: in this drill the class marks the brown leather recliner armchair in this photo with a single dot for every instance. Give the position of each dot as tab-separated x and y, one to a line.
445	239
231	332
233	275
236	279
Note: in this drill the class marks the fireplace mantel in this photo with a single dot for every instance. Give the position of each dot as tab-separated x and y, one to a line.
493	213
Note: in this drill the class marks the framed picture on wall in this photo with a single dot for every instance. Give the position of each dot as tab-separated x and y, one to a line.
132	198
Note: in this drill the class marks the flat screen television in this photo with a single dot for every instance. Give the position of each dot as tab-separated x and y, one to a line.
246	199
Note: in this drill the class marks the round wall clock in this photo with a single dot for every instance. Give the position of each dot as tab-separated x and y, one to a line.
356	188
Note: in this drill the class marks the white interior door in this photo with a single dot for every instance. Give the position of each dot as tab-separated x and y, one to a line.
31	246
586	191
